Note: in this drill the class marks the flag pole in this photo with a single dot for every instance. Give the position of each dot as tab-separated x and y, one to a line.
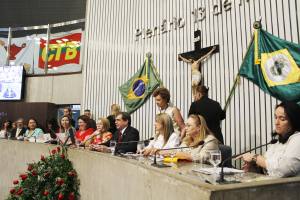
256	25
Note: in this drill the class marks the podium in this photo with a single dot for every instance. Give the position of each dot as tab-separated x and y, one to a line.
103	176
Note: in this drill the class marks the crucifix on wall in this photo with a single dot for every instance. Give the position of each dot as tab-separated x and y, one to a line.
196	57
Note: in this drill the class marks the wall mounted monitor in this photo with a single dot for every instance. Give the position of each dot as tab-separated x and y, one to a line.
12	79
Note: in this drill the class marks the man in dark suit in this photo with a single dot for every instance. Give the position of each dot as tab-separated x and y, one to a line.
92	123
19	131
209	109
125	134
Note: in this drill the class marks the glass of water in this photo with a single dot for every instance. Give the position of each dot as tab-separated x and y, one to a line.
140	147
112	146
215	159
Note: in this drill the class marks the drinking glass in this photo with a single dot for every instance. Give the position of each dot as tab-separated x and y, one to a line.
140	147
112	146
215	159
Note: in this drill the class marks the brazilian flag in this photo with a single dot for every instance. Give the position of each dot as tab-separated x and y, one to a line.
274	65
139	87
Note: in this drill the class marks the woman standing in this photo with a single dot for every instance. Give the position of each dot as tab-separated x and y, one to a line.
162	99
283	158
115	110
165	136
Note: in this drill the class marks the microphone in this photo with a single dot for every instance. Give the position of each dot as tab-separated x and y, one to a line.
71	135
221	180
162	165
152	138
129	142
83	144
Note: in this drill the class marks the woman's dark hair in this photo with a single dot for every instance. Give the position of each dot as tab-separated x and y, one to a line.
163	93
32	118
86	120
54	124
9	125
292	110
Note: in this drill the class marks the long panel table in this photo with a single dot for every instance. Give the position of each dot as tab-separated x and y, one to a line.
107	177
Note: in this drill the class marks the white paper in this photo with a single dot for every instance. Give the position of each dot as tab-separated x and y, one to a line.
211	170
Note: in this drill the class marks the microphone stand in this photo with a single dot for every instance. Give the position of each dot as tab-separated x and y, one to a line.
90	139
115	153
222	179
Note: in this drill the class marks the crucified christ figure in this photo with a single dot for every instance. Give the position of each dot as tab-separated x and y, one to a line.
196	73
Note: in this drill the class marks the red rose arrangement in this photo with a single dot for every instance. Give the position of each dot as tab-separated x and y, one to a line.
52	177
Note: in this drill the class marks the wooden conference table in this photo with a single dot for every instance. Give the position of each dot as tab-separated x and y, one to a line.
107	177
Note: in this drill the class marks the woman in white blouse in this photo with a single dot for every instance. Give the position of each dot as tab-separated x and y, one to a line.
165	136
283	158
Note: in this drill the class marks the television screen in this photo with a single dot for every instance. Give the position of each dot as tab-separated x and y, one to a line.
11	83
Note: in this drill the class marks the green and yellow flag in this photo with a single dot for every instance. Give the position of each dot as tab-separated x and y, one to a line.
139	87
274	65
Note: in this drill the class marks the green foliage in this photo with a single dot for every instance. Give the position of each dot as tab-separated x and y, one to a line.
51	178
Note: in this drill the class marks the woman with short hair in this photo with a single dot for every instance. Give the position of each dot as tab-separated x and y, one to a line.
101	136
162	99
84	129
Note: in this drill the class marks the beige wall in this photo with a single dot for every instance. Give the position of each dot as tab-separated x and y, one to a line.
62	89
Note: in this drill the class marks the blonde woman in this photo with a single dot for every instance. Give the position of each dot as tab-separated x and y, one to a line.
115	110
196	132
101	136
165	136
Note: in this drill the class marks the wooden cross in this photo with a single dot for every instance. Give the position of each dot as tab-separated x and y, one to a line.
195	57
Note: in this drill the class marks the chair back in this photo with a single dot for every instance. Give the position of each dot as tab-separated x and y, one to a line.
226	152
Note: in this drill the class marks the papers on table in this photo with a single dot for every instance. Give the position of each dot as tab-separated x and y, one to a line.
130	154
41	139
211	170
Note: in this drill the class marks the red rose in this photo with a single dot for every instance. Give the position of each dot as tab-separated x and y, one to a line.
60	196
16	182
59	181
34	173
62	156
53	151
71	173
45	193
12	191
71	196
47	174
23	176
20	191
30	167
58	149
43	158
